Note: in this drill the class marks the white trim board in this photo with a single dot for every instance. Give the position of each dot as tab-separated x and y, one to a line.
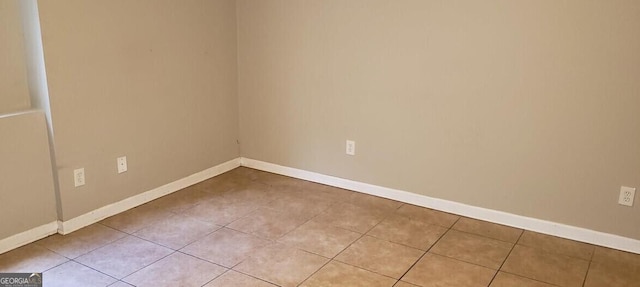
65	227
26	237
528	223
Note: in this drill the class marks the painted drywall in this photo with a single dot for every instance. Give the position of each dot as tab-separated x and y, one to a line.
36	72
152	80
26	180
14	92
527	107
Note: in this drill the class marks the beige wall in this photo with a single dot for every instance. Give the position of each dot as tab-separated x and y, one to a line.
26	180
528	107
14	92
154	80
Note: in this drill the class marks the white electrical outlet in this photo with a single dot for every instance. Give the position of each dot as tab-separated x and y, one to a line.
626	195
122	164
351	147
78	177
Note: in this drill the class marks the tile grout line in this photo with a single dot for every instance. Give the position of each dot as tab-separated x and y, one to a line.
330	259
111	276
128	234
195	257
536	280
78	262
308	220
272	241
147	266
505	259
428	249
584	282
572	256
303	190
484	236
347	247
243	273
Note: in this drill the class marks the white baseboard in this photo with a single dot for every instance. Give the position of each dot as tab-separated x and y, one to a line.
28	236
65	227
528	223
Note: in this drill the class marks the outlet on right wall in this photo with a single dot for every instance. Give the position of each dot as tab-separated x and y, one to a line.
527	107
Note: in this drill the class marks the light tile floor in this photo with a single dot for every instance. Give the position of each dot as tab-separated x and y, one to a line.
251	228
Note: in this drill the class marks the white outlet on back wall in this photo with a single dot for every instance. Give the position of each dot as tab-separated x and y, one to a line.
351	147
78	177
122	164
626	195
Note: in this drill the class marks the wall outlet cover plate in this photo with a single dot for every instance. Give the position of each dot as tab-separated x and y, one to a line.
627	195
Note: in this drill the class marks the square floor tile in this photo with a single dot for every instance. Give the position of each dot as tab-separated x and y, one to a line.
74	274
613	266
305	191
124	256
374	202
404	284
352	217
254	193
245	172
336	274
547	267
220	211
29	258
380	256
81	241
301	206
181	200
227	181
236	279
216	185
137	218
488	229
226	247
242	172
473	248
613	274
372	240
427	215
321	239
268	223
278	181
324	192
176	269
509	280
407	231
608	255
557	245
337	194
289	191
282	265
176	231
439	271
